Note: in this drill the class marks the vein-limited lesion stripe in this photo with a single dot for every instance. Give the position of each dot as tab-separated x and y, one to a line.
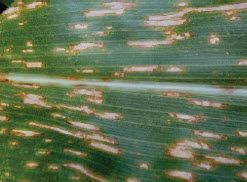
83	170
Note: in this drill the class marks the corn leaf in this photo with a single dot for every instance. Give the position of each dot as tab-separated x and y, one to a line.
134	91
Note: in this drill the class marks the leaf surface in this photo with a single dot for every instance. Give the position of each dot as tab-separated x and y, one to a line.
123	91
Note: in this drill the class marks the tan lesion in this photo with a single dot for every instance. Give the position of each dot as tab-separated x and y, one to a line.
75	152
12	13
26	85
28	51
104	32
144	165
242	175
43	152
174	94
83	46
194	101
37	4
184	149
29	43
87	92
179	174
206	103
86	70
214	39
78	26
186	117
232	15
208	134
171	69
206	165
89	133
242	62
60	50
58	116
132	179
239	150
15	11
241	133
150	43
53	167
219	159
8	49
4	118
112	8
81	125
76	124
171	38
13	143
3	131
105	147
3	105
29	64
22	23
85	171
90	111
179	17
33	99
31	164
24	133
148	68
75	48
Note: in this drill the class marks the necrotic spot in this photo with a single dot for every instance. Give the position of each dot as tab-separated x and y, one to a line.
2	7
